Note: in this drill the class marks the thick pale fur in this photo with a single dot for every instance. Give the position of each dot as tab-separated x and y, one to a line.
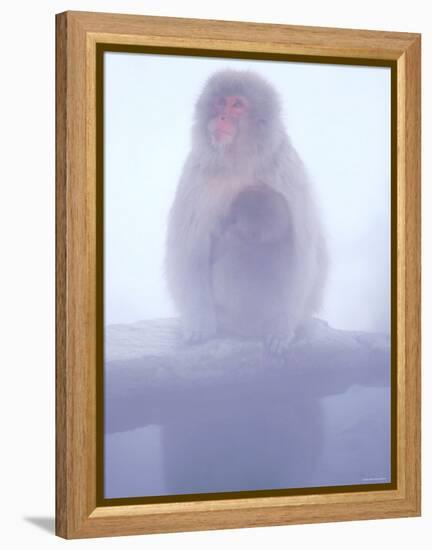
208	276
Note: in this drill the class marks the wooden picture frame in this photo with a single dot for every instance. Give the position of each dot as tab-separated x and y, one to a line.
78	294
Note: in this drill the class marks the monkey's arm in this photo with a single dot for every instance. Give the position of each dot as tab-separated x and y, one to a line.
308	263
188	275
198	312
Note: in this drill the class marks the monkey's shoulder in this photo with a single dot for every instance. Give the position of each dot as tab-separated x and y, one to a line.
208	201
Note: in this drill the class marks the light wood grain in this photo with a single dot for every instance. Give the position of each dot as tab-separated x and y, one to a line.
412	263
78	34
61	258
76	320
239	36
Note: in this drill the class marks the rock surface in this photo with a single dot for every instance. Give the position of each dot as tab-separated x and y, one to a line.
229	417
148	368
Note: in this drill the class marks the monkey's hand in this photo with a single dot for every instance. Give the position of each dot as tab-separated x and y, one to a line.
200	329
278	344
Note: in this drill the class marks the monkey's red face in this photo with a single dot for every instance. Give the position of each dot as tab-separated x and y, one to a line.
229	110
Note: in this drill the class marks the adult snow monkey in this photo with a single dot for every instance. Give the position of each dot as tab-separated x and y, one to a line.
245	252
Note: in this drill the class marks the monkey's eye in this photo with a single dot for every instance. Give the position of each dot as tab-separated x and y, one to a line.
238	103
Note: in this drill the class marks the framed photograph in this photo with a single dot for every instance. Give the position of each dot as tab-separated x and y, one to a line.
238	274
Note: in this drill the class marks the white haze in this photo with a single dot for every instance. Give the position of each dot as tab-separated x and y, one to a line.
338	118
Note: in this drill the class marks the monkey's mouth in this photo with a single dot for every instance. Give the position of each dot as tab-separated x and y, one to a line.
222	137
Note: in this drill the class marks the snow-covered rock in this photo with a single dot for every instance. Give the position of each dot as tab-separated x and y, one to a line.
225	416
148	366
